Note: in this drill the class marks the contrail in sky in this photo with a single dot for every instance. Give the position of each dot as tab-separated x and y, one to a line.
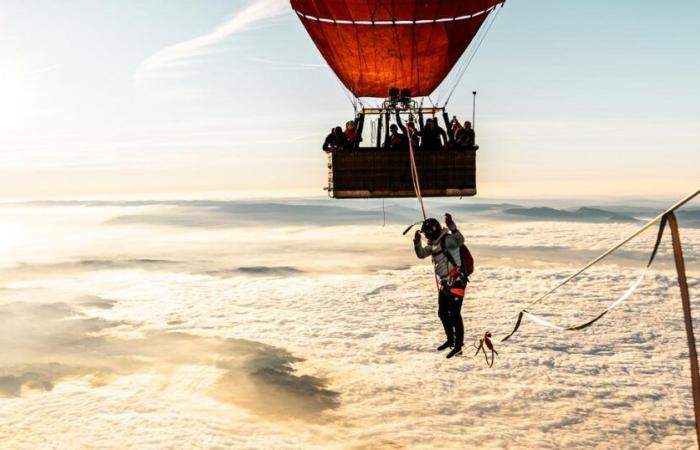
184	53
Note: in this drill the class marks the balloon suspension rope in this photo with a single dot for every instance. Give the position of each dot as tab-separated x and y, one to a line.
416	187
414	174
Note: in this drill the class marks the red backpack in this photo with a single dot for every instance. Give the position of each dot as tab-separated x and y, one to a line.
467	260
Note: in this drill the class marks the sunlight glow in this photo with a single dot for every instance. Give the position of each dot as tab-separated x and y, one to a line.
15	100
12	236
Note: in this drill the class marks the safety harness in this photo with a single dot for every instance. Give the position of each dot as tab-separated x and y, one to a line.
457	280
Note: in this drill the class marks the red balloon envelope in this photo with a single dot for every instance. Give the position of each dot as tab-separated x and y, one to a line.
374	45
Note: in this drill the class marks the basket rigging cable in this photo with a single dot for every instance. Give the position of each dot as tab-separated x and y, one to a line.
461	71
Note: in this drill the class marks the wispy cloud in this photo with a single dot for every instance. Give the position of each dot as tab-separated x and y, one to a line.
182	54
38	73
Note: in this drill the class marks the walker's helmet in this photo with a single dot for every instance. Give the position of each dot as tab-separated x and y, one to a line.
431	228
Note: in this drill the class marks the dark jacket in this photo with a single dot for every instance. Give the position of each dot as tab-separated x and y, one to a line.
336	142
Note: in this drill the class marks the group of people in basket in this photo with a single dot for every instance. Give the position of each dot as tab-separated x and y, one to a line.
429	136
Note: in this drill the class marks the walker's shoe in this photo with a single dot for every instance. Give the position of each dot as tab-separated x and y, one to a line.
444	346
457	351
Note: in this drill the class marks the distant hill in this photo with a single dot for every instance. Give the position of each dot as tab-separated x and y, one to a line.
689	218
584	214
324	211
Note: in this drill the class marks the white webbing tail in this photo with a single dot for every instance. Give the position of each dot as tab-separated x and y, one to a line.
547	324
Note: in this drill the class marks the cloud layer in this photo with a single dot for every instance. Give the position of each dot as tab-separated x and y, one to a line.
42	344
251	326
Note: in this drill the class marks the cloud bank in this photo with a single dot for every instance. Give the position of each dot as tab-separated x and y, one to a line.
146	350
46	343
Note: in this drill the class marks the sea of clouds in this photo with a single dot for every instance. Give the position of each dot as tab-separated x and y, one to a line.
311	324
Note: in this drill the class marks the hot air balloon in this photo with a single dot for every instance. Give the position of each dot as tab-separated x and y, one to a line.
400	52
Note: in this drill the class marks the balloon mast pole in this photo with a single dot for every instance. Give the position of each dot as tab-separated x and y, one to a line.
474	110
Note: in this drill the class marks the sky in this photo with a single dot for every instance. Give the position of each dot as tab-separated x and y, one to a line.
230	98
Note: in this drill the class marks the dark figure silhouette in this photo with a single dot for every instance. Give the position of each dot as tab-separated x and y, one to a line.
460	135
336	140
465	136
396	140
443	138
470	136
432	136
351	133
408	130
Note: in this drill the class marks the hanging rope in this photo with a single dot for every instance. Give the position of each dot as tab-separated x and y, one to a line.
414	174
350	96
383	215
416	187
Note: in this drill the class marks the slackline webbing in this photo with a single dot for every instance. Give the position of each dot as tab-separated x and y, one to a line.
667	217
663	217
545	323
687	316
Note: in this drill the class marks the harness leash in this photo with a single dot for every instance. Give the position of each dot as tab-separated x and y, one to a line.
486	340
411	226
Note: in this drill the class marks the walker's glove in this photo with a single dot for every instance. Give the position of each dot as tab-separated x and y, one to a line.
449	222
417	237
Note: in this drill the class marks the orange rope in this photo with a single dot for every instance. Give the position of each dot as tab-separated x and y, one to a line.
414	174
419	195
